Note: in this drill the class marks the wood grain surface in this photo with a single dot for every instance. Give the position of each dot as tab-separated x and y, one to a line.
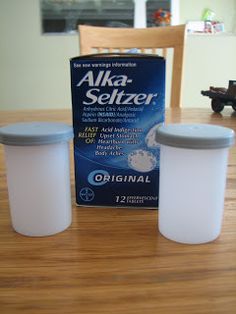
114	260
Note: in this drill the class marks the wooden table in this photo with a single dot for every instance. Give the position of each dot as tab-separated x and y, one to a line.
114	260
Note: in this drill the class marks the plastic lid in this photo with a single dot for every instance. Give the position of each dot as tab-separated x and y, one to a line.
195	136
35	133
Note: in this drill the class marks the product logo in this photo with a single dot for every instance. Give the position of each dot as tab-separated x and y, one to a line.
101	177
104	78
117	96
86	194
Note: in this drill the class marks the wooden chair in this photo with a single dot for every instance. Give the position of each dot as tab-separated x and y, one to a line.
103	39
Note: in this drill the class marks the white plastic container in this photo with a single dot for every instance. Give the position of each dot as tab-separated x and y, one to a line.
38	176
193	167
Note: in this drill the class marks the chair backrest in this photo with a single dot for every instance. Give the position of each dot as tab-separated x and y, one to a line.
103	39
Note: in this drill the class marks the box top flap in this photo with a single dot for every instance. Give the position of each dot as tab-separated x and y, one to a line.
116	55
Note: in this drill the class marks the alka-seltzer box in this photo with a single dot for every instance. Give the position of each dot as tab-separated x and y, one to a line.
118	102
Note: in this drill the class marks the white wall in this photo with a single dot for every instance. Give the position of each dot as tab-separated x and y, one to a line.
209	60
35	68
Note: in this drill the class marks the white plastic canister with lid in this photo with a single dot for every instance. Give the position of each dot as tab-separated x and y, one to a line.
38	176
193	167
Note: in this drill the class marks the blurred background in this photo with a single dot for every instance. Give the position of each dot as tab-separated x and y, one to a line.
38	38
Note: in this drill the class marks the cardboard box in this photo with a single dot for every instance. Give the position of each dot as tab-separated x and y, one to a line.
118	102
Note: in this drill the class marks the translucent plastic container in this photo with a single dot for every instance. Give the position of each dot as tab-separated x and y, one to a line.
38	176
193	167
